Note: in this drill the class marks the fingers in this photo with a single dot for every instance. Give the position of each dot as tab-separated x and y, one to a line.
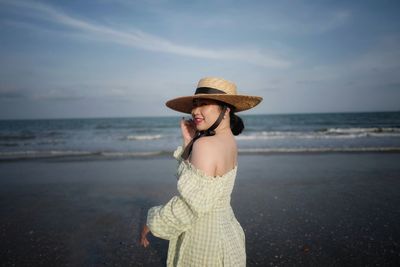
143	237
188	129
144	242
183	122
187	122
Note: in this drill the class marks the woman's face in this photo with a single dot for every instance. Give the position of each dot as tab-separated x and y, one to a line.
205	112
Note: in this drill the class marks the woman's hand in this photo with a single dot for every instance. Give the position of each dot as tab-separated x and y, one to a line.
143	236
188	129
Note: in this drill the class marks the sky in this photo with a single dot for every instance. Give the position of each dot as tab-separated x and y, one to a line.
121	58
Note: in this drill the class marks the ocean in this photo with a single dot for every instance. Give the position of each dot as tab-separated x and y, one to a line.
115	138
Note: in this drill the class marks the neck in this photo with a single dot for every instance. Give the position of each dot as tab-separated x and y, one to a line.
224	127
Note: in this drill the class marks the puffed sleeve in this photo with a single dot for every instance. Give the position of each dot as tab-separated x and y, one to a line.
170	220
198	193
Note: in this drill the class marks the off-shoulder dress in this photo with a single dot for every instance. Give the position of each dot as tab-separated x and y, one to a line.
199	221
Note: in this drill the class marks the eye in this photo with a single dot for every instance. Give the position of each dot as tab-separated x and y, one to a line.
199	103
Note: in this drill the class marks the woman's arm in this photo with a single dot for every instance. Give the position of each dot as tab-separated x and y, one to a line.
197	193
170	220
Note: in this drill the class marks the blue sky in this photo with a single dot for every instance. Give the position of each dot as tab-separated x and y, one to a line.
103	58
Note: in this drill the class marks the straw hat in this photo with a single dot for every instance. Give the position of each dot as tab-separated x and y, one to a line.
216	89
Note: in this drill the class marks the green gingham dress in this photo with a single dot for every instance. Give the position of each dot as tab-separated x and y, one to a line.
199	222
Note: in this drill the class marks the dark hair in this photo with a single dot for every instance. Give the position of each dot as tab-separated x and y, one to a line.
237	125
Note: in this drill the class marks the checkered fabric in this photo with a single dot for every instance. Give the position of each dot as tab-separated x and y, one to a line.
199	221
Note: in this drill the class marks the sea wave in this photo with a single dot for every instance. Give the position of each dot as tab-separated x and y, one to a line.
9	144
31	142
21	136
317	150
371	130
333	133
53	134
106	155
78	155
32	154
143	137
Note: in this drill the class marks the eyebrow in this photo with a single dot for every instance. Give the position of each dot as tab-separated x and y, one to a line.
198	100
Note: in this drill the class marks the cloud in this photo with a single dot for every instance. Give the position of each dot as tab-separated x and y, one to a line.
282	16
310	22
71	92
142	40
42	94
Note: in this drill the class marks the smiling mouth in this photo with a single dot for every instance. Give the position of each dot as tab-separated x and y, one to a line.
198	120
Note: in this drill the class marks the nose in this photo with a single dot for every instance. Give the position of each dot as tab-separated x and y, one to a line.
195	111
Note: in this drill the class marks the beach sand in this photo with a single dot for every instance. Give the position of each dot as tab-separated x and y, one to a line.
296	210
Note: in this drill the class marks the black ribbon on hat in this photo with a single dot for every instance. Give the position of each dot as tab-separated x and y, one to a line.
209	132
208	90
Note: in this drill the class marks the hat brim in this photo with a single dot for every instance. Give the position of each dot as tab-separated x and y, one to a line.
240	102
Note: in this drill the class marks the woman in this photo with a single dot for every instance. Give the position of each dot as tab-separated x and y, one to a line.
199	222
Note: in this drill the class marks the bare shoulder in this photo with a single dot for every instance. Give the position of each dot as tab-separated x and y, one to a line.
204	155
205	144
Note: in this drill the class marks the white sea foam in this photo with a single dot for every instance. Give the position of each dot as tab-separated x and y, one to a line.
31	154
131	154
331	133
364	132
143	137
317	150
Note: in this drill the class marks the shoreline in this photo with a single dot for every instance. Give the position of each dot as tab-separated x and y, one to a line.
54	155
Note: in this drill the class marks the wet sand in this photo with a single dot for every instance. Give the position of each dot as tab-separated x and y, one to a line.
296	210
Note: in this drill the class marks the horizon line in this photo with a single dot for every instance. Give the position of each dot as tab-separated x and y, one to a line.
181	115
